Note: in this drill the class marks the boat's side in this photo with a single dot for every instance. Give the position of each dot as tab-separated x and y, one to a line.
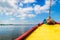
23	36
45	32
28	32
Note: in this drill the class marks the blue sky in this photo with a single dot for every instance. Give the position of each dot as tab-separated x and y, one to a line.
28	11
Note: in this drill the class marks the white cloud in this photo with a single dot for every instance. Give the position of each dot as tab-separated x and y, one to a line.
46	6
54	1
31	15
37	9
9	7
22	11
12	18
21	4
22	18
43	9
29	1
0	11
12	3
18	16
6	22
14	22
3	0
27	9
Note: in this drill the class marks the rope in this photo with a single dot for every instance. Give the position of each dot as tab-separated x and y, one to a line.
50	8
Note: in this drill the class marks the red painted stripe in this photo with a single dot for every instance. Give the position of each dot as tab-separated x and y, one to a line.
26	34
30	31
57	22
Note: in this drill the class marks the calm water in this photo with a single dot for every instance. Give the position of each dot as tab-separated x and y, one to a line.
10	32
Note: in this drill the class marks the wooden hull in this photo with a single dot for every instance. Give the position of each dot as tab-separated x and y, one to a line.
23	36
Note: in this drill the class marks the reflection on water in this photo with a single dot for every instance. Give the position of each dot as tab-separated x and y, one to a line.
11	31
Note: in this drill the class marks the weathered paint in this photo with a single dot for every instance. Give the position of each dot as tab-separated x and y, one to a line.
26	35
46	32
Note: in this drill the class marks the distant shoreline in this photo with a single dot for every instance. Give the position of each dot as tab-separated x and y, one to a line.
17	24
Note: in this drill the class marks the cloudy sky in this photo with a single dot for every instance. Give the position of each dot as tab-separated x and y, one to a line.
28	11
